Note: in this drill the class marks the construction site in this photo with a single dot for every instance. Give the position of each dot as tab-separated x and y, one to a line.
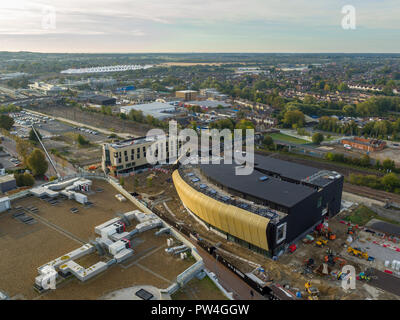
310	268
285	230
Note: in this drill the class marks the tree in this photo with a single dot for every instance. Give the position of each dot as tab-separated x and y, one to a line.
343	87
33	137
135	184
317	138
244	125
349	110
390	182
81	140
268	142
388	165
24	179
6	122
365	160
294	117
24	148
37	163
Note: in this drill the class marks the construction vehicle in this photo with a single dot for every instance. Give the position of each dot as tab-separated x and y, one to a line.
321	242
327	233
341	261
351	230
357	252
309	266
363	277
313	292
330	259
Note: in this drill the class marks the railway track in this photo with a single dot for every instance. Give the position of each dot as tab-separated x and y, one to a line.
371	193
346	171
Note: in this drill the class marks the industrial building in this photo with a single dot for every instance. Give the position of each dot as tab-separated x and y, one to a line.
158	110
369	145
130	155
47	88
97	99
207	104
265	211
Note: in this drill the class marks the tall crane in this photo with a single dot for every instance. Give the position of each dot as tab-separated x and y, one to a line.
45	151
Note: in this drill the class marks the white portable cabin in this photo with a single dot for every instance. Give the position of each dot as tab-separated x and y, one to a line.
4	204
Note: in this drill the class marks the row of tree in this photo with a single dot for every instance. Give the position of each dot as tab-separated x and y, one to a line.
390	182
364	161
378	129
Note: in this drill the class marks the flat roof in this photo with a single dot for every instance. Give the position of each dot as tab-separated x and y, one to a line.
295	171
156	109
208	103
270	189
283	168
7	178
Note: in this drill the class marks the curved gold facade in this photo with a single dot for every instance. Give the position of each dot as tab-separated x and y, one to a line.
238	222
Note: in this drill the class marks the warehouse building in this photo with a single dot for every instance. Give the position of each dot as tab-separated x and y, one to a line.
368	145
158	110
265	211
97	99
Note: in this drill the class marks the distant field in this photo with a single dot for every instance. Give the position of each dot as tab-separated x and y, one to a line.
285	137
190	64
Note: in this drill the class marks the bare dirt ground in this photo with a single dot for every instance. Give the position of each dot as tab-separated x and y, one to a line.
23	248
96	119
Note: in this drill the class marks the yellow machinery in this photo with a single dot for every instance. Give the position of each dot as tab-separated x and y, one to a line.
321	242
358	253
313	292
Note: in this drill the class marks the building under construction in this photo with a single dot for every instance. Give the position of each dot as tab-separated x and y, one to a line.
265	211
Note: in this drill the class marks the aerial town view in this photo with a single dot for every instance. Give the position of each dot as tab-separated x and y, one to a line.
199	151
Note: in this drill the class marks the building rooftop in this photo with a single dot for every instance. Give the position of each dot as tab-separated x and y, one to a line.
129	142
258	185
283	168
159	110
7	178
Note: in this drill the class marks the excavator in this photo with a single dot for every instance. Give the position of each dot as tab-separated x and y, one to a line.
358	253
326	232
313	292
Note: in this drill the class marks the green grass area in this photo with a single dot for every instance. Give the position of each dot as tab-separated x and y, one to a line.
286	138
196	289
363	214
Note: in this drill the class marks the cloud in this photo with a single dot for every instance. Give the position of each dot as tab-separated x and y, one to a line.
162	20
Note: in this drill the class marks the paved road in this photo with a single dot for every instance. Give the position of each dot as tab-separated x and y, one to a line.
386	282
230	281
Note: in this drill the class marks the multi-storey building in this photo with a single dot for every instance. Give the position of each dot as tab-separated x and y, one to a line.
130	155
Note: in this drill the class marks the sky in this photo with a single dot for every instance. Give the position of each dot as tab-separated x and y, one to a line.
199	26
